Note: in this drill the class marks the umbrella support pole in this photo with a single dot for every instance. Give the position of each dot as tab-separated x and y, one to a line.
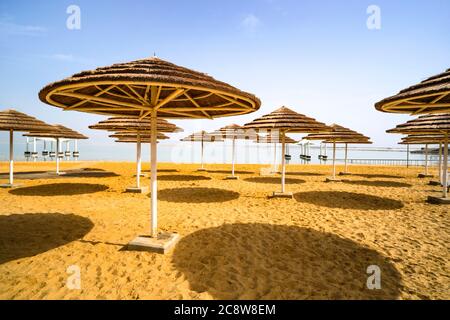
444	199
138	188
202	166
233	160
345	172
10	183
439	181
160	242
333	177
283	193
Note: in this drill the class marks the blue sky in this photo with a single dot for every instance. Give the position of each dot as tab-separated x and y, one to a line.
317	57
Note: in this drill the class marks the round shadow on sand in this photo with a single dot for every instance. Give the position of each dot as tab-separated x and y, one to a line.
26	235
347	200
59	189
183	177
273	180
263	261
378	183
305	174
197	195
229	171
90	174
386	176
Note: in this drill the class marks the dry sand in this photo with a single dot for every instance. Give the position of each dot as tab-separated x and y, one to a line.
236	243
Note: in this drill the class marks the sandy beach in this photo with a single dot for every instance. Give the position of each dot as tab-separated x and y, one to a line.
236	243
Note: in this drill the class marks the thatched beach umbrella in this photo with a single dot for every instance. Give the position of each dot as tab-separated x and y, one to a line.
274	139
427	139
338	134
57	132
429	96
346	142
149	88
234	132
430	124
202	136
138	128
280	122
12	120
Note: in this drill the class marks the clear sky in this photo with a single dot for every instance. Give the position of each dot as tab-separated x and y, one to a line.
316	57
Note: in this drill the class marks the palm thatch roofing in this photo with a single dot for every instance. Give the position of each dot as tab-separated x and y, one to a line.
274	139
135	88
57	131
432	95
235	131
423	139
18	121
133	140
134	124
287	120
338	134
426	124
133	135
203	136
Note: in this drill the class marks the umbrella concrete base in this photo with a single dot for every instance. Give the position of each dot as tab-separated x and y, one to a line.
345	174
9	185
161	244
201	169
285	195
232	178
143	175
435	183
136	189
423	175
331	179
438	200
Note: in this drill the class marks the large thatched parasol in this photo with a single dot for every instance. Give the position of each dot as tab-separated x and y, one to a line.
435	124
139	128
202	136
149	88
12	120
339	134
57	132
429	96
234	132
279	122
426	140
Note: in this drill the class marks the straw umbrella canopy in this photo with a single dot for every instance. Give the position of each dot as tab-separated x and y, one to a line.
134	136
339	134
282	121
139	128
149	88
432	95
202	136
12	120
430	124
274	139
57	132
234	132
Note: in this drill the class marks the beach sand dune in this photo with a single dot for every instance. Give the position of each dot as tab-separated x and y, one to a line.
236	243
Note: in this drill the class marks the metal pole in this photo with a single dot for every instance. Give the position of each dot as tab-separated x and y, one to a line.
444	182
440	162
57	155
407	155
153	182
202	166
75	148
346	147
45	148
274	157
34	150
334	159
11	157
283	161
233	156
138	160
426	159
